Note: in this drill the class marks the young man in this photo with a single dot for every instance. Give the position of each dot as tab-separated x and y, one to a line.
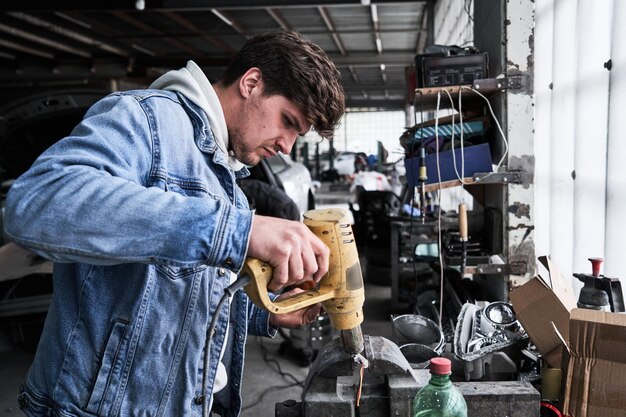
141	213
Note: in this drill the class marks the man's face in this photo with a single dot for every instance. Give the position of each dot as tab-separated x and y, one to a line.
265	126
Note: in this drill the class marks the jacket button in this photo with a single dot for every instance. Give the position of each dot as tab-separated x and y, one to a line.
22	402
221	271
199	399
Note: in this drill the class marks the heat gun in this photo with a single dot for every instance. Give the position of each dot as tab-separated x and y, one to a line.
340	291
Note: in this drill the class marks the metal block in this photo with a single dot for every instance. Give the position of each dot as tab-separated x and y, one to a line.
493	398
501	398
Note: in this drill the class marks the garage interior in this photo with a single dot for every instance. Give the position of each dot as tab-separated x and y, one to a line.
505	258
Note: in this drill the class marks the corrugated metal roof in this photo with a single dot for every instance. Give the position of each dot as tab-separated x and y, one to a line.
70	41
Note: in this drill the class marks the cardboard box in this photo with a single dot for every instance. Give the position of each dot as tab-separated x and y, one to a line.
594	367
590	346
540	306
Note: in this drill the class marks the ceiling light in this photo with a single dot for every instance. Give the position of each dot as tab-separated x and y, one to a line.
374	13
140	4
222	17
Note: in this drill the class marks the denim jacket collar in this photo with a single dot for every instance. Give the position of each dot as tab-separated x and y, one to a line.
204	137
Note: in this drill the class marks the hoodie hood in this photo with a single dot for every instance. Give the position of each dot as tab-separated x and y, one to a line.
193	84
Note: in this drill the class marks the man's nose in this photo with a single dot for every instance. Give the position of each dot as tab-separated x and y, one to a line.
286	143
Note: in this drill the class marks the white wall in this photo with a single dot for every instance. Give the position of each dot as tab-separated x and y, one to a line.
453	22
580	151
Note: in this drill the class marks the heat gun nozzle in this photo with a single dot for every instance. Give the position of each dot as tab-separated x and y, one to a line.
352	340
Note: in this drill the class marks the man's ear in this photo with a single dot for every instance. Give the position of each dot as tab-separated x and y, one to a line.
250	81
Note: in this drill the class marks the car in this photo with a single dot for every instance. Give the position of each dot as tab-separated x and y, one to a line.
344	165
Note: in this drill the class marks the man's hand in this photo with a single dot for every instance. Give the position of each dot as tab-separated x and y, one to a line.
295	253
297	318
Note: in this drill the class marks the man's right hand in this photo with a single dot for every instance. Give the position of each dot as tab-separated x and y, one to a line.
295	253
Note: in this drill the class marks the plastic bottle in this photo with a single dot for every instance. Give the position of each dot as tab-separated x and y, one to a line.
439	398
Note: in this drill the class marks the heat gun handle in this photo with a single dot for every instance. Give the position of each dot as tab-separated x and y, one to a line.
261	273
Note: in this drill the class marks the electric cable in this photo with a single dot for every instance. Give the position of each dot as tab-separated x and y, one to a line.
414	267
282	373
265	392
495	119
463	235
460	177
241	282
441	286
278	369
360	387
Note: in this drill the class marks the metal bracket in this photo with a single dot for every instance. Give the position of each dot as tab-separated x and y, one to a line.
512	177
515	268
512	82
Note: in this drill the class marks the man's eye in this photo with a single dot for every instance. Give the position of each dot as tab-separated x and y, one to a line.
288	122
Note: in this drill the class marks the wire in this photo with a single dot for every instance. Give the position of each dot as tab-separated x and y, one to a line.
264	393
228	292
278	369
360	387
495	119
456	171
439	211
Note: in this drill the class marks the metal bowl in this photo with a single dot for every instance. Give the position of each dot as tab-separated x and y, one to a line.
418	355
413	328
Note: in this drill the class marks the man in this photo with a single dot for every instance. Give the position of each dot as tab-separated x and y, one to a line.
141	213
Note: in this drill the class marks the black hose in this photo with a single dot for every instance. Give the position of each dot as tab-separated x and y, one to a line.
229	291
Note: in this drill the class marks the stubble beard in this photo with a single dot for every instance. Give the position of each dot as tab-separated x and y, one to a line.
240	152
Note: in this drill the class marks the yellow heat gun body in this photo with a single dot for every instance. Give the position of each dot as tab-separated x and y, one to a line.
340	291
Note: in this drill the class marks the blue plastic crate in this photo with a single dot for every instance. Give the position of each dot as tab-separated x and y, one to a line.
477	159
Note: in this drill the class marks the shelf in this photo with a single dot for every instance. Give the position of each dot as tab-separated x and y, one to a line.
426	97
511	177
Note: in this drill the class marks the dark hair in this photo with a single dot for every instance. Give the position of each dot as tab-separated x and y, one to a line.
297	69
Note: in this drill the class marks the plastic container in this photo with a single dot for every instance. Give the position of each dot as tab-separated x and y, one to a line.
439	398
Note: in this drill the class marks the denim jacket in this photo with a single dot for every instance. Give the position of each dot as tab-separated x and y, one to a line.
144	221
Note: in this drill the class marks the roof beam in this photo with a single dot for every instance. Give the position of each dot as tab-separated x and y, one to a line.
331	27
144	26
25	49
422	33
376	26
278	17
188	24
376	103
19	30
56	27
230	21
114	36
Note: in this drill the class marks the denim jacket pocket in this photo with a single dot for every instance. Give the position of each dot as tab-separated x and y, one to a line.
109	376
174	272
186	187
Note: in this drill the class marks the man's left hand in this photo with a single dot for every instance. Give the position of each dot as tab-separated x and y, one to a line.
297	318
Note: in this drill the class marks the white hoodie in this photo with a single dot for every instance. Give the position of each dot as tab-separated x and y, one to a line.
193	84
